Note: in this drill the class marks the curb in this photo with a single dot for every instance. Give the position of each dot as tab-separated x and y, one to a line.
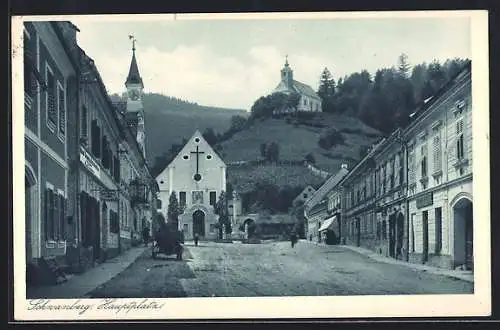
416	267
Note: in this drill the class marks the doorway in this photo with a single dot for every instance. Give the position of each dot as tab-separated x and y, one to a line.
392	235
199	223
358	232
463	234
400	224
30	200
425	237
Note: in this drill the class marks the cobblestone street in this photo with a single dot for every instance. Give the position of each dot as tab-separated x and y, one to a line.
271	269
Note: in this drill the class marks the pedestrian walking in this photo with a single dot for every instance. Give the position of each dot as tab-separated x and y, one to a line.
145	235
196	239
293	238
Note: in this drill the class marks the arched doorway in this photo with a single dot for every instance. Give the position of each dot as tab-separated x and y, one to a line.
199	223
248	227
30	203
463	251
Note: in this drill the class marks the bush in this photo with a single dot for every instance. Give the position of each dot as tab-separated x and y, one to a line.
331	139
310	158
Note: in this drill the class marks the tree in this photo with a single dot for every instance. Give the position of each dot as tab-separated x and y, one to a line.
263	149
272	152
158	223
209	136
222	211
403	65
298	213
237	123
310	158
326	90
173	210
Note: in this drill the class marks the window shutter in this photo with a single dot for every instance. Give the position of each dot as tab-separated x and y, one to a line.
47	213
98	145
93	136
56	216
51	100
51	215
63	217
437	153
62	112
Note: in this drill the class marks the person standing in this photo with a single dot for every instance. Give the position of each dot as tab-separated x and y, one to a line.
196	239
145	235
293	239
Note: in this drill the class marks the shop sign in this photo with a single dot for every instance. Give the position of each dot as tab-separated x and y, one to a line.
87	160
109	195
425	200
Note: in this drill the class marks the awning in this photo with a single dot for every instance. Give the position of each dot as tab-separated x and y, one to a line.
327	224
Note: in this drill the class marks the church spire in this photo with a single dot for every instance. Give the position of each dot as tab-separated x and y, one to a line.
133	74
287	74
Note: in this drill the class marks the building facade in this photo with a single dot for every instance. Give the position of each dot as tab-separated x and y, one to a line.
390	190
73	145
320	218
440	178
359	221
48	85
197	176
410	198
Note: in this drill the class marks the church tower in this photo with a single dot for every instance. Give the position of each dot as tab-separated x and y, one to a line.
287	75
135	111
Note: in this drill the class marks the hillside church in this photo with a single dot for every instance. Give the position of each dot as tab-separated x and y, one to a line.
197	176
309	100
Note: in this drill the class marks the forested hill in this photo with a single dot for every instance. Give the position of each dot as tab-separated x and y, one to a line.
170	120
385	100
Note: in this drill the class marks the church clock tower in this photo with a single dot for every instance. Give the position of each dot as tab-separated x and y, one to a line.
287	75
135	110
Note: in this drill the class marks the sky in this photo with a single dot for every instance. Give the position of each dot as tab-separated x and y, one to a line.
230	63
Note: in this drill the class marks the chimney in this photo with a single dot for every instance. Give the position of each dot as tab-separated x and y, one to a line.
344	166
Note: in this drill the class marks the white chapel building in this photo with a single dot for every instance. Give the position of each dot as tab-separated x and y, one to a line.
197	175
309	100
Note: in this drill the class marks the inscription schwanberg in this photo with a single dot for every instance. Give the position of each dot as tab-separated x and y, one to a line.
112	305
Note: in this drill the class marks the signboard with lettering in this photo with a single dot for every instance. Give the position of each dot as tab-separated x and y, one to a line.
109	195
87	160
425	200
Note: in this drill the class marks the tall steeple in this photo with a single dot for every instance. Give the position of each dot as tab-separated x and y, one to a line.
135	112
133	74
287	74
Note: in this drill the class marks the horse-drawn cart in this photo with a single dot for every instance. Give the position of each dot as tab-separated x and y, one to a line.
168	241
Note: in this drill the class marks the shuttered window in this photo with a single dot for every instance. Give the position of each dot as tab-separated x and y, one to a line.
436	148
96	139
423	161
460	139
411	167
54	216
62	111
84	119
51	100
49	214
213	199
116	164
105	152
